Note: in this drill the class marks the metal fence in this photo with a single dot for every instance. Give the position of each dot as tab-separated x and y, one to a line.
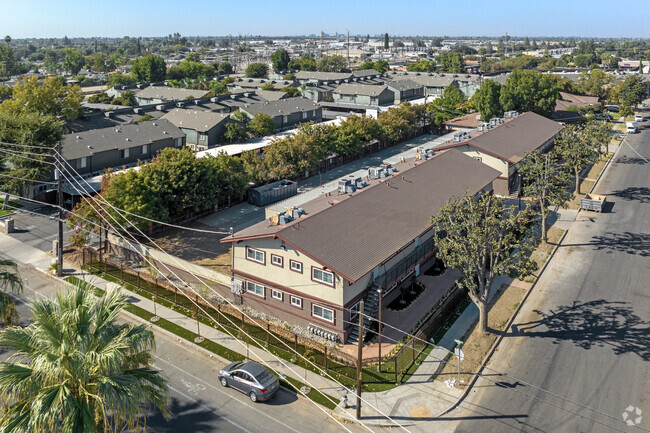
272	336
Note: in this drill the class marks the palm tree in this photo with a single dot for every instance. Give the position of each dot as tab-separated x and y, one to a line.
9	279
74	369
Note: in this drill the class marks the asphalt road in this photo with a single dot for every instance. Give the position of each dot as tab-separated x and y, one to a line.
198	402
39	227
584	333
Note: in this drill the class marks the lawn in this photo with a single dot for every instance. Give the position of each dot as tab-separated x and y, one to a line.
13	204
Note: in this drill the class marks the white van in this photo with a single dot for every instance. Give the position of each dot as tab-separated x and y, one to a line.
632	127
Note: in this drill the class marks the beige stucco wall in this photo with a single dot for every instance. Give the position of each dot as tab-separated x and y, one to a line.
284	276
486	158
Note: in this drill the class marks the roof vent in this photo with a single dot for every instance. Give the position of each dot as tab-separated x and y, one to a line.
78	137
128	139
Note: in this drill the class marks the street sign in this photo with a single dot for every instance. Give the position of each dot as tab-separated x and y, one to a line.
458	342
459	353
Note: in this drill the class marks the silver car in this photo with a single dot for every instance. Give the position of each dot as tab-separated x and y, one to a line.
251	379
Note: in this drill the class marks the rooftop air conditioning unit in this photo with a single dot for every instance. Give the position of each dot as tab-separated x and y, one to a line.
458	137
108	114
160	107
481	127
376	172
388	168
137	110
180	104
345	186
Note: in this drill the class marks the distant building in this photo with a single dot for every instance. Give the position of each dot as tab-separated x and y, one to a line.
160	94
287	113
203	129
362	94
405	90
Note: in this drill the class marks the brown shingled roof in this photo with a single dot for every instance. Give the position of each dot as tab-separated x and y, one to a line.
361	232
513	139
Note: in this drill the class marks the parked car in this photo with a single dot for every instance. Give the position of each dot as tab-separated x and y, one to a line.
250	378
612	108
631	127
603	116
638	118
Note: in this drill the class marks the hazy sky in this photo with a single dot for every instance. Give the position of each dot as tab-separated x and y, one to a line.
58	18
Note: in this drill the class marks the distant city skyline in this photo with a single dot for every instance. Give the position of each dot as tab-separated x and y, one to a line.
551	18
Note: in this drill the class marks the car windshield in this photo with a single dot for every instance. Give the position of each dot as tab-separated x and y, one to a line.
264	376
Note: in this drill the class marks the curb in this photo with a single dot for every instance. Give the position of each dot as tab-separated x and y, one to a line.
486	360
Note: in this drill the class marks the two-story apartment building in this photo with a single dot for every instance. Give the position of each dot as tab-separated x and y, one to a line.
505	145
405	90
159	94
202	128
98	149
363	94
315	268
286	113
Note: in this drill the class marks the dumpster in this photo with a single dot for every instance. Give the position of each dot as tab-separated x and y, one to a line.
593	202
276	191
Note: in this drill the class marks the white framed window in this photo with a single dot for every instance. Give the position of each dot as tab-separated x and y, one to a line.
144	149
314	113
124	153
179	142
295	266
82	162
296	301
276	294
285	119
304	114
277	260
255	288
322	313
322	276
256	255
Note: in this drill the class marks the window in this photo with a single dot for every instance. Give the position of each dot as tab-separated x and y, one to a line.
256	255
285	119
322	313
82	162
296	301
179	142
314	113
304	114
322	276
124	153
277	260
276	294
254	288
144	149
295	266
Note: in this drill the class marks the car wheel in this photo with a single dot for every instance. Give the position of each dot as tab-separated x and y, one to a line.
223	381
253	396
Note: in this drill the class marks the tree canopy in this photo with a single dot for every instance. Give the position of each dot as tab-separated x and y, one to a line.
150	68
257	70
51	97
483	238
529	91
280	60
487	100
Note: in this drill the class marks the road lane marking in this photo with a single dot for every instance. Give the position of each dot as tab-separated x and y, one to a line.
221	391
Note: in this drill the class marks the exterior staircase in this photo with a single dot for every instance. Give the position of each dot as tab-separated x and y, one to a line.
370	309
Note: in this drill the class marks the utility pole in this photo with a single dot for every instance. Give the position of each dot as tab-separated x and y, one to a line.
379	327
359	356
348	49
59	248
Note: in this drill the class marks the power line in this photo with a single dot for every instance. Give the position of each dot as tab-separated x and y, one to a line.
222	297
26	145
229	302
28	180
20	155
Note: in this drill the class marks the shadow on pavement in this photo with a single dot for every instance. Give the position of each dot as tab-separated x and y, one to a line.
626	242
630	160
634	193
187	416
597	323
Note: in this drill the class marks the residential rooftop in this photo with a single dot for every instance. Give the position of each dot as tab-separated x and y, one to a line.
198	120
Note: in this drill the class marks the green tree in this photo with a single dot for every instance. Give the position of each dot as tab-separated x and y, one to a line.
574	147
482	238
120	79
268	86
20	163
51	97
452	98
7	61
150	68
234	132
452	62
487	100
9	280
529	91
280	60
261	125
222	68
632	91
332	64
257	70
291	91
75	369
73	61
546	182
422	65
